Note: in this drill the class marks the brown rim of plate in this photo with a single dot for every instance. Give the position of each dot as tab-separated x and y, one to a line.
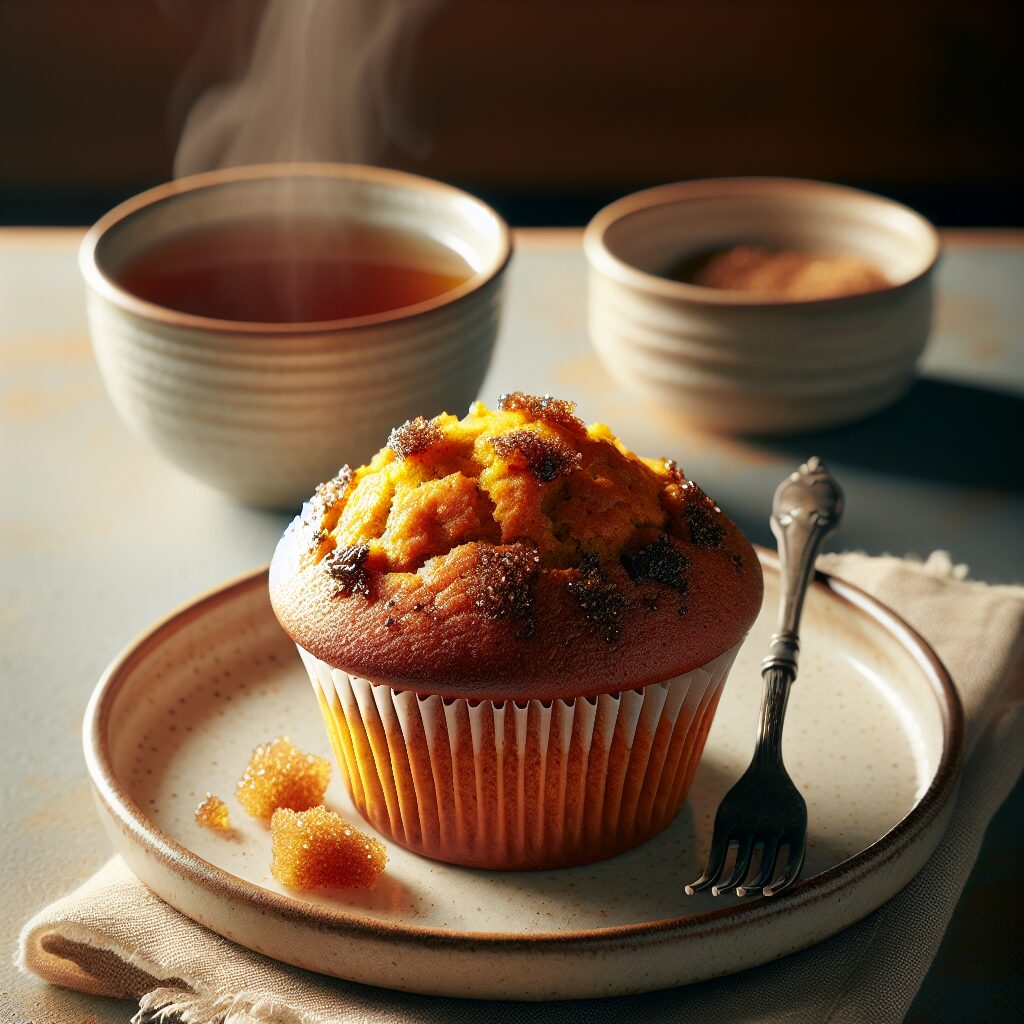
603	259
132	819
103	284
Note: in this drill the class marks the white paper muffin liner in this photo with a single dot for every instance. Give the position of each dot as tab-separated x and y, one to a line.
518	784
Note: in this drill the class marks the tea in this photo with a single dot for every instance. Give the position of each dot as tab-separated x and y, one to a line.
293	271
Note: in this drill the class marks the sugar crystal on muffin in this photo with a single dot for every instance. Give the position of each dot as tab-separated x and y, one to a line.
661	562
599	599
543	407
505	580
703	517
414	436
280	775
347	567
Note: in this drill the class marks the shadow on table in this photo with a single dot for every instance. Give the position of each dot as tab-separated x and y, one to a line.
942	431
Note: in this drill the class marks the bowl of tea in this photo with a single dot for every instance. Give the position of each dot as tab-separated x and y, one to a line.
761	305
257	325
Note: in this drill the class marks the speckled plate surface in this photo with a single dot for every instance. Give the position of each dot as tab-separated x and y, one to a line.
872	739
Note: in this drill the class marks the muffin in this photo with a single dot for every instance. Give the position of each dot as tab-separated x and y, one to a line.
517	631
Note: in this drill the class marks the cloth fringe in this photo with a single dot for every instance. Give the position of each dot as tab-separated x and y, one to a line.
177	1006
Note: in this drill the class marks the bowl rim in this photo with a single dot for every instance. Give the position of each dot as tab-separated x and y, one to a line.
104	285
602	259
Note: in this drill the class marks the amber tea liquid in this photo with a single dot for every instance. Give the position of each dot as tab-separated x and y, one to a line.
290	271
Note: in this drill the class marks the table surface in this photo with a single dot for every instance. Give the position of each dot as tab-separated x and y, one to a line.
98	537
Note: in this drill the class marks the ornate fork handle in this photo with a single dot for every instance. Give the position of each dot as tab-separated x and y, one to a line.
807	507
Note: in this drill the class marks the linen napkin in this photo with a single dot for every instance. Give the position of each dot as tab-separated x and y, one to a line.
113	937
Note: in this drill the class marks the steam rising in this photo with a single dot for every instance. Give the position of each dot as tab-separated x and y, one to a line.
321	84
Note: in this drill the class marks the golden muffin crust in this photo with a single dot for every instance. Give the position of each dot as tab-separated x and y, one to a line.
514	553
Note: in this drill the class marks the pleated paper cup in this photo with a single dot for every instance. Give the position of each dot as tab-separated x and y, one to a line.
519	784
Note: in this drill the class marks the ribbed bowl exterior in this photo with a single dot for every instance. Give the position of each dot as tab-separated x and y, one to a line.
518	785
264	412
766	370
739	363
265	418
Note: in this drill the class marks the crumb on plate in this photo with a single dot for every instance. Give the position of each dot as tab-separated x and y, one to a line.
281	775
318	849
213	814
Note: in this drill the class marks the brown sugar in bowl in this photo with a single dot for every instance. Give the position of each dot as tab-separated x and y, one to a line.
517	631
754	362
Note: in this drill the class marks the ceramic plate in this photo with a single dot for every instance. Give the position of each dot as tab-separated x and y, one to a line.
872	739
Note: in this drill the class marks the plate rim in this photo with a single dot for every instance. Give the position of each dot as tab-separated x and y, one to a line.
144	832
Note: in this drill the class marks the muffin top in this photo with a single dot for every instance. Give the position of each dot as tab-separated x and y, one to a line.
513	554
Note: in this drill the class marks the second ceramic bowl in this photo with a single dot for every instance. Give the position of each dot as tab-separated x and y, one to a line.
264	411
744	363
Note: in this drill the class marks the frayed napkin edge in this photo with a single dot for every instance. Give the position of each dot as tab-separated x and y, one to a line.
175	1006
161	1004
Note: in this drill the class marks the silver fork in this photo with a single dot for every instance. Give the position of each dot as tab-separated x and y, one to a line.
764	809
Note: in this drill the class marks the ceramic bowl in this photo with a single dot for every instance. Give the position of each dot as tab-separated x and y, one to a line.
264	411
743	363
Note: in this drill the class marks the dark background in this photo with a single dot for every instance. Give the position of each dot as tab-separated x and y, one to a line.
550	108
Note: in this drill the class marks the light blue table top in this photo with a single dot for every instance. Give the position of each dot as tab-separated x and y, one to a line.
98	536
